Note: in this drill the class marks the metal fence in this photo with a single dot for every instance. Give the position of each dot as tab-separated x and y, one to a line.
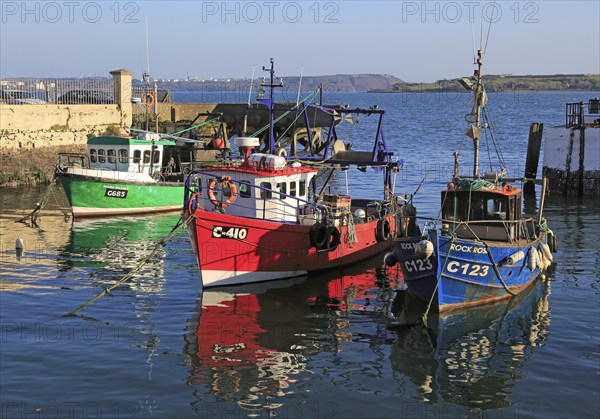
141	94
73	91
56	91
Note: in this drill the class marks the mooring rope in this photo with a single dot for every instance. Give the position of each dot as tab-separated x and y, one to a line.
35	213
178	226
426	313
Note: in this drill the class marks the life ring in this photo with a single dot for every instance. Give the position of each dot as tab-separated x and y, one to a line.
319	236
228	184
193	203
150	99
210	192
334	238
382	231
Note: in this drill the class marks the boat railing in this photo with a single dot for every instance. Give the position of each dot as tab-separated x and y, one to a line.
302	207
71	160
575	113
509	231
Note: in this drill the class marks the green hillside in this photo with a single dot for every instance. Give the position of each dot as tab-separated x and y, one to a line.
501	83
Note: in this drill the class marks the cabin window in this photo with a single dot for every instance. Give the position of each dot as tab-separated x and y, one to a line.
137	156
146	156
302	188
93	157
245	190
123	155
293	186
511	208
112	155
266	194
156	157
496	209
282	189
101	156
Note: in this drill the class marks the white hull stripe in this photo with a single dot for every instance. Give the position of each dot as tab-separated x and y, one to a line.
219	278
82	211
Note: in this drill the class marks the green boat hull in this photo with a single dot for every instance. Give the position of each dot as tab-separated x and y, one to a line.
92	197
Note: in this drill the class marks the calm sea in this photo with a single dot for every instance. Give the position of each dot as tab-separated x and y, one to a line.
313	347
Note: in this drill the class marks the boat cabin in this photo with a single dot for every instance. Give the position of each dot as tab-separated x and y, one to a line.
487	214
275	191
141	154
264	187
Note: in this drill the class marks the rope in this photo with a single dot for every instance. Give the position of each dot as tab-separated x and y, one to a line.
426	313
178	226
487	248
351	238
286	113
35	213
210	121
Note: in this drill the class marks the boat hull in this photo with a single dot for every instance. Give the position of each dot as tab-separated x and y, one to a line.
420	275
466	273
236	250
93	197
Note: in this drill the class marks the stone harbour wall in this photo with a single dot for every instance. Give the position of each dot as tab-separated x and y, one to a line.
35	126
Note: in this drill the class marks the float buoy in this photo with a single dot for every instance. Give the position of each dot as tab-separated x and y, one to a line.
424	249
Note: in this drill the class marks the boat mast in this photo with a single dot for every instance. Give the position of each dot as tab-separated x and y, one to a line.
479	102
270	103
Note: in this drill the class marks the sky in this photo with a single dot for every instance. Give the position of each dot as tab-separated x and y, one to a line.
417	41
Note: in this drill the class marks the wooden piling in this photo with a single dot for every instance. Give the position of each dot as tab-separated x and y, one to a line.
533	153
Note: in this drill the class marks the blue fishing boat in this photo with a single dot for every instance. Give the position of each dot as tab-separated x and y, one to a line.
485	249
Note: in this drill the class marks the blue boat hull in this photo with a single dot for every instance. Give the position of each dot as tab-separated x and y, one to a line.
467	274
471	274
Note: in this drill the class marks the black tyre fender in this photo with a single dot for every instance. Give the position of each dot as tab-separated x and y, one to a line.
334	238
382	231
319	235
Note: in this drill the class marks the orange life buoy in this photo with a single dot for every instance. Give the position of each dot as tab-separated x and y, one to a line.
150	98
232	196
193	200
211	192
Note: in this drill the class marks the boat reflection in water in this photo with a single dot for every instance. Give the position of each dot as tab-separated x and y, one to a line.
471	357
117	245
250	343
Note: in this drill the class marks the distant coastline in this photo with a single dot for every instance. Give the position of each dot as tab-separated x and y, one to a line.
507	83
385	83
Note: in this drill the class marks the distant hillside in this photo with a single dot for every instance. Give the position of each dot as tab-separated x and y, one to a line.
337	82
501	83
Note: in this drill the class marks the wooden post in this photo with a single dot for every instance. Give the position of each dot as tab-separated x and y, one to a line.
533	154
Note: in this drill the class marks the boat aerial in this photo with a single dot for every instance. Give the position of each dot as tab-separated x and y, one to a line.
269	218
483	248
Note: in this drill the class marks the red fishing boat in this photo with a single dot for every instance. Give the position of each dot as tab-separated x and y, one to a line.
265	219
274	217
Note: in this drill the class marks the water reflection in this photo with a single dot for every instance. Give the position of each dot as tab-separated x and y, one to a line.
474	357
117	245
250	344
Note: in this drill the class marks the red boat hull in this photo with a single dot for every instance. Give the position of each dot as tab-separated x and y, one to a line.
237	250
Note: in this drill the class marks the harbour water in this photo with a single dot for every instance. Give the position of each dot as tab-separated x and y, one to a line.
317	346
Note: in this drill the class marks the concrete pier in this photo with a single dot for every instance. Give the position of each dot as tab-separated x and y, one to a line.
572	152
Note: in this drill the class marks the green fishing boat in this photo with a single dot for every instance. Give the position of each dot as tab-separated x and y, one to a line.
126	175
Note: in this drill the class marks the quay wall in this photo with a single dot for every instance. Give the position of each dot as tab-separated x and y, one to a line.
572	160
31	126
